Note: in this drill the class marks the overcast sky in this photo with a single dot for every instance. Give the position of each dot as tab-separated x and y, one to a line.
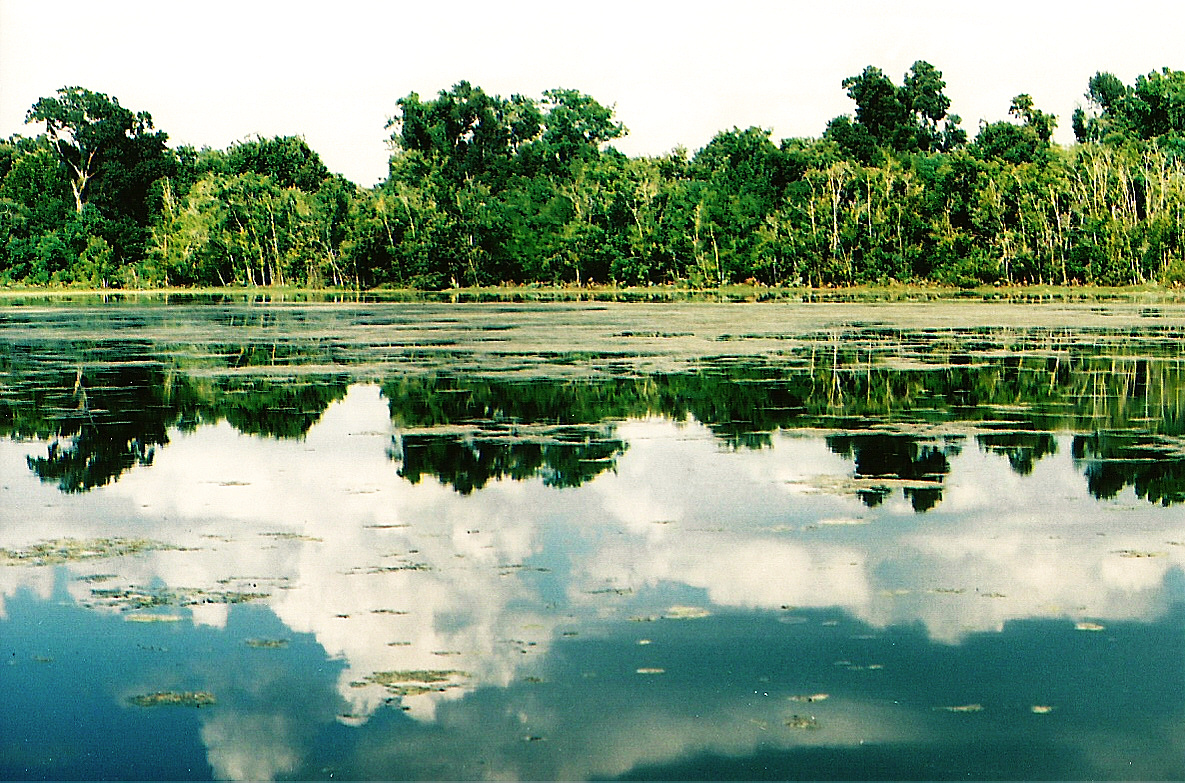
216	72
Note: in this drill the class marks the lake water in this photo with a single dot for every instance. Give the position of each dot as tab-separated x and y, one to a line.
256	540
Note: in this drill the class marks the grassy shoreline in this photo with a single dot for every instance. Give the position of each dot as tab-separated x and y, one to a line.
1149	293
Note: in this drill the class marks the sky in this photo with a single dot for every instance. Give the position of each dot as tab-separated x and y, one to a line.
220	71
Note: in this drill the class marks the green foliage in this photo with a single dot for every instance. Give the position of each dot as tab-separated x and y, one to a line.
288	160
484	190
912	117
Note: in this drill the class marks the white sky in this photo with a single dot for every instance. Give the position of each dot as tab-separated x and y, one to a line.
218	71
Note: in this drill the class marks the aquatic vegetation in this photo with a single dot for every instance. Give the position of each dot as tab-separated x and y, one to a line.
533	590
843	521
174	699
686	613
92	578
267	644
858	667
611	591
147	617
802	722
414	682
292	537
130	598
391	569
68	550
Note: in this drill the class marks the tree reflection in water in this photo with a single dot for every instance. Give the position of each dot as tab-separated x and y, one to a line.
107	408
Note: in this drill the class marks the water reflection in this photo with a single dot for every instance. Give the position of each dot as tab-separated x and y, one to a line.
106	409
1153	466
776	569
507	609
917	466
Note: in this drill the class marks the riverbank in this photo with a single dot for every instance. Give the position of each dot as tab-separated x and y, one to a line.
1150	294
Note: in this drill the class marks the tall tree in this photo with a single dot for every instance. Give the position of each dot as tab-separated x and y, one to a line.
922	93
879	108
575	126
94	137
912	117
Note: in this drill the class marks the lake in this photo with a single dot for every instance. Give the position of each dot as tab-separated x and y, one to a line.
247	539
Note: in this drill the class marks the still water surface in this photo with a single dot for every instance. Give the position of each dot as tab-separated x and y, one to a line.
571	541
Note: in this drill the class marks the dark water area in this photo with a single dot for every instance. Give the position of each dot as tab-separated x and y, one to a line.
578	540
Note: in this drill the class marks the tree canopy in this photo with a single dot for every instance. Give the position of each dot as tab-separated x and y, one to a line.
484	190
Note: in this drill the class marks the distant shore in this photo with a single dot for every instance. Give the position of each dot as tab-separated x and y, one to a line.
527	293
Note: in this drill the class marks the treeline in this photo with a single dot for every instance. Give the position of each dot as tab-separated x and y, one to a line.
485	190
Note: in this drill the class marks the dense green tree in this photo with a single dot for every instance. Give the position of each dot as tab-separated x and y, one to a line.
879	108
575	127
912	117
288	160
1017	144
485	190
1154	107
465	132
92	135
113	160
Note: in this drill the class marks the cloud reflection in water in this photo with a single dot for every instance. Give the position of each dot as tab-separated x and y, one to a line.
482	588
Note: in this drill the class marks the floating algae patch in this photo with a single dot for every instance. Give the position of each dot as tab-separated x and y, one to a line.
686	613
68	550
802	722
149	617
174	699
267	644
130	598
810	698
413	682
293	537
